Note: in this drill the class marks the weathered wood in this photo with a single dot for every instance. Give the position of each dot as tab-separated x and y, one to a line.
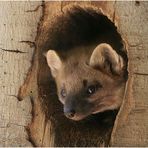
131	127
17	34
119	13
49	125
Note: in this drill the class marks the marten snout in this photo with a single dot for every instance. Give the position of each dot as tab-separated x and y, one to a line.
69	108
77	107
69	113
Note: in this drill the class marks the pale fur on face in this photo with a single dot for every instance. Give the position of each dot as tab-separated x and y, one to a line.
101	66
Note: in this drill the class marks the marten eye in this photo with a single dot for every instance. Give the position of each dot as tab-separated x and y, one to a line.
93	88
63	93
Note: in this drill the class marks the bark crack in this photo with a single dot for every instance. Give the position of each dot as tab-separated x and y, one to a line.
143	74
114	13
30	43
36	8
62	7
14	51
136	45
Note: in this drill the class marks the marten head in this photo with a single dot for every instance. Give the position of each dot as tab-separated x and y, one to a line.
88	84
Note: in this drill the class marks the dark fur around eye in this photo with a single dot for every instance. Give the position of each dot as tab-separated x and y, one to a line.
93	88
85	83
98	85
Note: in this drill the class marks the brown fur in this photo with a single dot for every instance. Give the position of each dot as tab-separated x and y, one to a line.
71	62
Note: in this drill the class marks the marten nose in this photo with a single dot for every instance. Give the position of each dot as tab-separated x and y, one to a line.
70	113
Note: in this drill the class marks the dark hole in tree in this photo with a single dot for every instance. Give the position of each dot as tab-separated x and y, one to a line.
74	28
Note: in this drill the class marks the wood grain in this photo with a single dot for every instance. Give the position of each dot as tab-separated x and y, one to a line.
131	127
48	126
16	25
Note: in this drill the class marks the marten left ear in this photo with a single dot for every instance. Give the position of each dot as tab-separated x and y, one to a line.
105	58
54	62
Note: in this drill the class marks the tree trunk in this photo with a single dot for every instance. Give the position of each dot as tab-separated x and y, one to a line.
131	126
48	126
18	28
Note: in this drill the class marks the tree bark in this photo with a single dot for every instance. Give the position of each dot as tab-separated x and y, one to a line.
18	28
131	126
47	125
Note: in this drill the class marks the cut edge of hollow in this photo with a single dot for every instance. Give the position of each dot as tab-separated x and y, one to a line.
127	103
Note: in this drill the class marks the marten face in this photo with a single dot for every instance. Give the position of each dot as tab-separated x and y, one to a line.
86	88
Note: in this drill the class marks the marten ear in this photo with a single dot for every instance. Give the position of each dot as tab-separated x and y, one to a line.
53	61
105	58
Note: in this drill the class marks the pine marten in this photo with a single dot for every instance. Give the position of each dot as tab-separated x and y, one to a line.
87	59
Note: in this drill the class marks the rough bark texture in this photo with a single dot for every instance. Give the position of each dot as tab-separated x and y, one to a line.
17	34
131	127
49	124
52	128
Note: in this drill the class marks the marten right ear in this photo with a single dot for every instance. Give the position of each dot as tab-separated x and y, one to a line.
53	61
107	59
